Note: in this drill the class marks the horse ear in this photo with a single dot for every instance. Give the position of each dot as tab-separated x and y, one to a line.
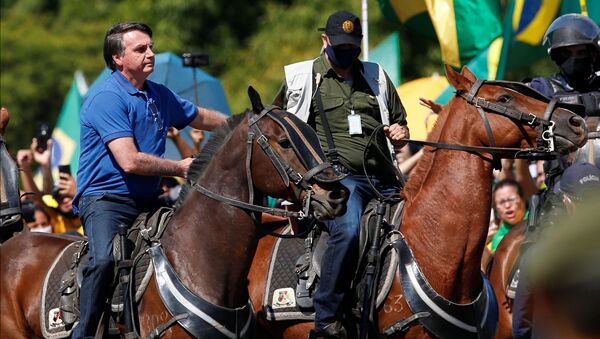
458	80
466	72
257	105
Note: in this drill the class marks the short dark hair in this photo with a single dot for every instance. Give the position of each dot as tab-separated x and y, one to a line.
509	182
113	41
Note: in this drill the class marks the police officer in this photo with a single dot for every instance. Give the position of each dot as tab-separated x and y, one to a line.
344	100
573	42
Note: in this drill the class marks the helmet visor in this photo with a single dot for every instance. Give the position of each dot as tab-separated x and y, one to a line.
571	29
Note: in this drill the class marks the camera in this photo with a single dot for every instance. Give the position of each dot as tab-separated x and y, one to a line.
42	135
194	59
28	210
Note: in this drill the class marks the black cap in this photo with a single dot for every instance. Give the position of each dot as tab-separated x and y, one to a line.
579	179
343	28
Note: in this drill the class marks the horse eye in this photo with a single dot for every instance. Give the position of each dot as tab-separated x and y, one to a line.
285	143
504	98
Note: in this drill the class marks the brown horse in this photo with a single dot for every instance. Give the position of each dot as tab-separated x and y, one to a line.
447	206
209	243
504	259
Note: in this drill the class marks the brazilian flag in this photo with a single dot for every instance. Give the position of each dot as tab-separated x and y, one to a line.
464	28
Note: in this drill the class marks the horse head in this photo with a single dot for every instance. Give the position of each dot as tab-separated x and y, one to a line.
291	162
538	122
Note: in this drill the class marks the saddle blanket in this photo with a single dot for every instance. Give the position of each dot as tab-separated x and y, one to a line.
279	301
51	322
50	316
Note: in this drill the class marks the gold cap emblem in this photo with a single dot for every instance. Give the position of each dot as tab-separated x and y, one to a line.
348	26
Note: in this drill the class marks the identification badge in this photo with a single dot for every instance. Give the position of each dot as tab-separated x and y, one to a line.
354	124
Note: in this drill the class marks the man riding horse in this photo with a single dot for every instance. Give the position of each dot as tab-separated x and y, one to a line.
344	99
123	133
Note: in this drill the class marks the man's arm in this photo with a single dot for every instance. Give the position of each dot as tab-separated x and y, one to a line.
182	146
133	161
398	128
208	119
44	159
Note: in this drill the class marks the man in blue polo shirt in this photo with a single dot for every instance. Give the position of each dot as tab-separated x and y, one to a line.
124	126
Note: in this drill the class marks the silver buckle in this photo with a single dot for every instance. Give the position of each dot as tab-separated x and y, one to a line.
548	136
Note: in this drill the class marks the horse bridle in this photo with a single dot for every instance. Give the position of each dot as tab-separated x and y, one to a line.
286	172
543	126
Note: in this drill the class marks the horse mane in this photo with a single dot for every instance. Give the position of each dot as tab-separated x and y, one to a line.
417	177
201	160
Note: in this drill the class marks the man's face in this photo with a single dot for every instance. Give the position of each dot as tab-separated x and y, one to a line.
138	59
575	51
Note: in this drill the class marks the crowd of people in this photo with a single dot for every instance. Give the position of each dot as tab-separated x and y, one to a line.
126	121
48	206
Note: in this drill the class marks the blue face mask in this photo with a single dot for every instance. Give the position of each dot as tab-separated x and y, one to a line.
342	58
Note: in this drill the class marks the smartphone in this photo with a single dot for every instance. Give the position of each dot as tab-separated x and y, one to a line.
28	211
42	136
64	169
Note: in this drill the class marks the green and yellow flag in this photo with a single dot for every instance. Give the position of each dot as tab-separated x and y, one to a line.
464	28
65	136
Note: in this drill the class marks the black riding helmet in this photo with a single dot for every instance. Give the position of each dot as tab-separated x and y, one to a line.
570	30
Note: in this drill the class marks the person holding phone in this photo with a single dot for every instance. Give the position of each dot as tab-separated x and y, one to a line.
60	202
56	201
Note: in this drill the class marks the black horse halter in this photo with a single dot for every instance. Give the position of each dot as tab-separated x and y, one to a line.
305	143
543	126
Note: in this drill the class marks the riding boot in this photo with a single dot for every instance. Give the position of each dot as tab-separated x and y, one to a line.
334	330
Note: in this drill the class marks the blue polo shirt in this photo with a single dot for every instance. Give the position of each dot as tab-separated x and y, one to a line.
116	110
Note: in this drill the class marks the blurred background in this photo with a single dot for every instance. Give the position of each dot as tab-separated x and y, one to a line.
51	50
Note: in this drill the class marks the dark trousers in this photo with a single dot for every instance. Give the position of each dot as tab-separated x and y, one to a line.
341	255
101	215
523	307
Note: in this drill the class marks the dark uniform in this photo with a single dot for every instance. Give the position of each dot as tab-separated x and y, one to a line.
578	82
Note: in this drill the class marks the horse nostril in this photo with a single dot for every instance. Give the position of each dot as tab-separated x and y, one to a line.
337	196
576	121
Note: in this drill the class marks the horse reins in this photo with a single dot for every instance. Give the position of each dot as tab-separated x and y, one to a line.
544	127
286	172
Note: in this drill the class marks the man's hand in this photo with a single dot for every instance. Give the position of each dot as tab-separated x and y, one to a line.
197	138
67	186
172	133
185	166
396	133
24	159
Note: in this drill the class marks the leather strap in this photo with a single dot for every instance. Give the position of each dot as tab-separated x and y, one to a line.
246	206
332	153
